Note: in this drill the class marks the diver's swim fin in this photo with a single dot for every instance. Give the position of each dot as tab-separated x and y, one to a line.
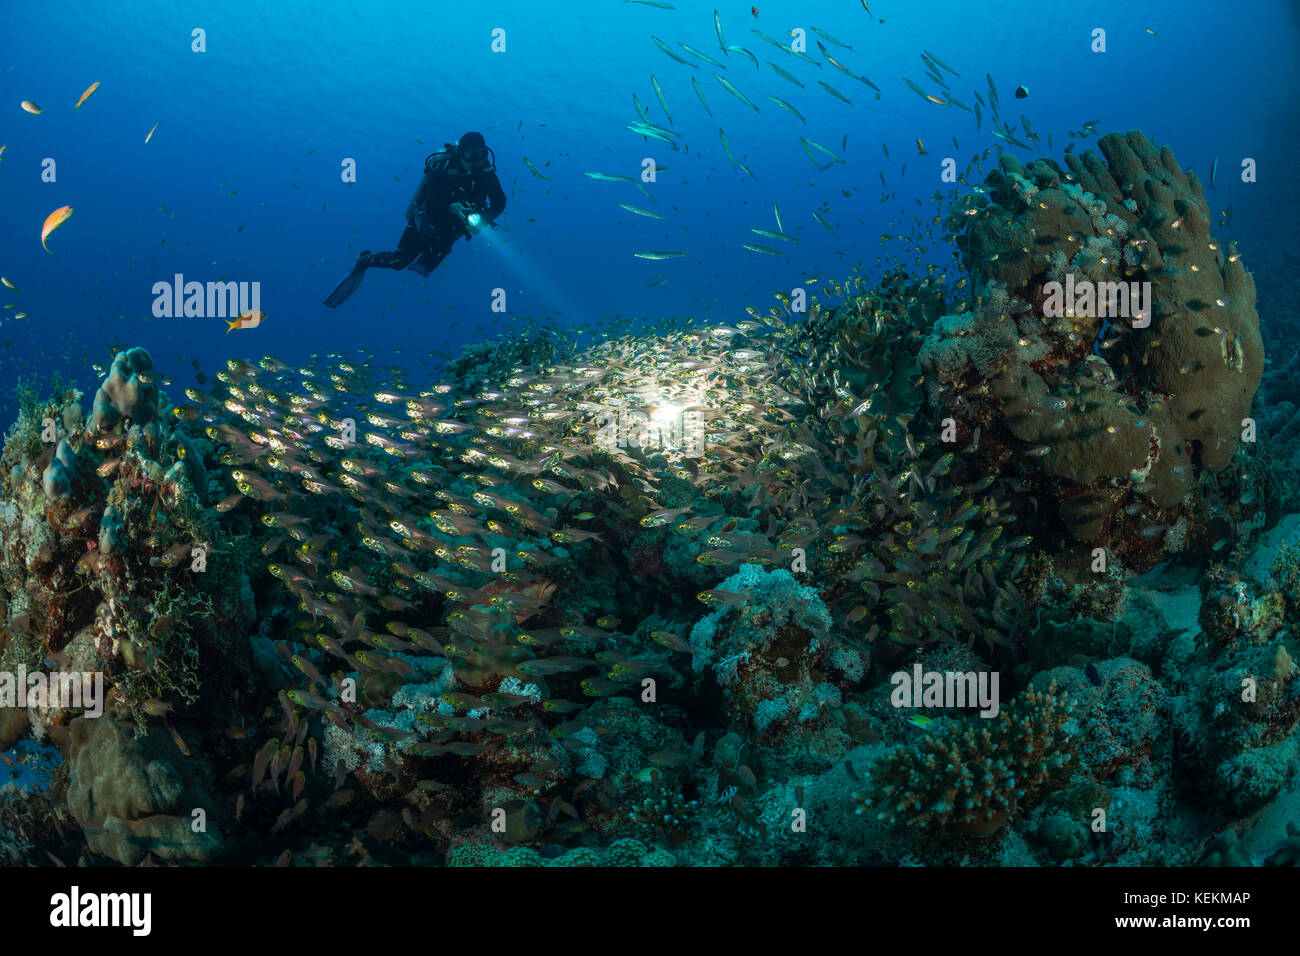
343	291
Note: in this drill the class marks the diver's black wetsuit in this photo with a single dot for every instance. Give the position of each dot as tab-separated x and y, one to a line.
463	176
432	227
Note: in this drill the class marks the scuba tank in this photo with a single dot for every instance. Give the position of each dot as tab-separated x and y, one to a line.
439	159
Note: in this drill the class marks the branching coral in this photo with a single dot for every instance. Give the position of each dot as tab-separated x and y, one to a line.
975	777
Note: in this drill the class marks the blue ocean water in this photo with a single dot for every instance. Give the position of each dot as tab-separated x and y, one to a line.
241	179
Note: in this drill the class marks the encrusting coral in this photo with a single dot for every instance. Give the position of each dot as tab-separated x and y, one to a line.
135	796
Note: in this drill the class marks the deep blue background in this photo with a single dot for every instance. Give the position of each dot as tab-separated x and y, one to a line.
285	91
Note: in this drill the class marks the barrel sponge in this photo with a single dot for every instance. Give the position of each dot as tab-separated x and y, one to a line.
59	473
128	392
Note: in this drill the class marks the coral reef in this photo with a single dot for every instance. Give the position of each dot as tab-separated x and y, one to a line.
642	602
1120	711
626	852
110	565
56	480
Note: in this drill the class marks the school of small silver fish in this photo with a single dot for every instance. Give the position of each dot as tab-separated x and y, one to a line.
499	527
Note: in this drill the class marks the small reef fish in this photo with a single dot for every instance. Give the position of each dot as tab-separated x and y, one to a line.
248	320
784	75
641	212
659	95
52	222
700	94
86	95
786	106
534	170
834	92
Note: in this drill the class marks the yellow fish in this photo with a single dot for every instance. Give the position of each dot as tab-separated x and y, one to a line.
31	107
8	284
150	136
86	95
52	222
249	320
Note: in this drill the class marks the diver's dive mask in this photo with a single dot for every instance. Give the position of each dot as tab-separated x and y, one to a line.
477	159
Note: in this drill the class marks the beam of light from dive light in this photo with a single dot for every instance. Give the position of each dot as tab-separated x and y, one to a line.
523	268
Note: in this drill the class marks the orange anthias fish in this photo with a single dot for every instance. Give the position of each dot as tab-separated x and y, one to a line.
86	95
248	320
52	222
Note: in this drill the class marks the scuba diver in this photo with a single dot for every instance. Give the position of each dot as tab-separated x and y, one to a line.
458	196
